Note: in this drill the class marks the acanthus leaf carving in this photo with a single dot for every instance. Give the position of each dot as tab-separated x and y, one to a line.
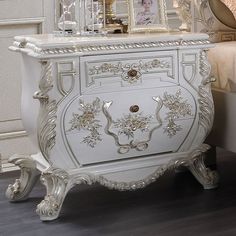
206	104
29	175
47	115
56	182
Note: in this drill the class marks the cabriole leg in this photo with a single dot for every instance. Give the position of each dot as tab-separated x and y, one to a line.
56	182
22	187
207	177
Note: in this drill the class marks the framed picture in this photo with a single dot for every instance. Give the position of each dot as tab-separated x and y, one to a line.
147	16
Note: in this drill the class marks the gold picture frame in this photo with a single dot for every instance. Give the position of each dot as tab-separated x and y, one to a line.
147	16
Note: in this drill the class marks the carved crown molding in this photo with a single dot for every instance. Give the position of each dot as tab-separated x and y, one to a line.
29	47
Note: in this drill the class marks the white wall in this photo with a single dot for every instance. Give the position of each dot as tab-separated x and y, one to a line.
17	17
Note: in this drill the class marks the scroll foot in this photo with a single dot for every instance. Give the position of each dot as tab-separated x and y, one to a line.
207	177
22	187
56	182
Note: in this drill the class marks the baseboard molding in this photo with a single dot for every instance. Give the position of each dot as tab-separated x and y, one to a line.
12	135
7	167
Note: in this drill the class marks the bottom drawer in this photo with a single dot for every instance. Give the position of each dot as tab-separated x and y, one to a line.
109	127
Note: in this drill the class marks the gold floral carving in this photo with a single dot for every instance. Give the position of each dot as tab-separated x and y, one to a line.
130	72
87	121
177	108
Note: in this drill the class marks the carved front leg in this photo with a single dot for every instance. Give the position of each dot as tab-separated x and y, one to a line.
29	175
56	182
207	177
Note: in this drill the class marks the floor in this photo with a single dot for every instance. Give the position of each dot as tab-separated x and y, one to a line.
174	205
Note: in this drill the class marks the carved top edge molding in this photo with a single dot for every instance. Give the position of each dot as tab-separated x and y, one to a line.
38	48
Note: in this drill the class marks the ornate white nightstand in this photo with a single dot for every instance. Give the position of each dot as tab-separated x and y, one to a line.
119	110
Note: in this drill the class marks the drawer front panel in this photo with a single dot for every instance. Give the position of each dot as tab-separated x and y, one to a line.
105	73
119	125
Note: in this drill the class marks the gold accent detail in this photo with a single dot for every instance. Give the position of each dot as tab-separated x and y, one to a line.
178	108
87	121
46	131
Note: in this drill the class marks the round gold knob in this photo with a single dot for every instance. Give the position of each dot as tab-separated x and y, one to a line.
132	73
134	108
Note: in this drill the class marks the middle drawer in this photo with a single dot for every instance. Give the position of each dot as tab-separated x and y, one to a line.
106	73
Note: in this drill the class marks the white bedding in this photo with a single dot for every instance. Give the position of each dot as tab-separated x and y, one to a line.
223	61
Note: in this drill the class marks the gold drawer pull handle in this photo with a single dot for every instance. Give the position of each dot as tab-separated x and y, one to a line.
134	108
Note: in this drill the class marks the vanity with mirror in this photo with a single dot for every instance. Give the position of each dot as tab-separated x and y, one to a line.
115	109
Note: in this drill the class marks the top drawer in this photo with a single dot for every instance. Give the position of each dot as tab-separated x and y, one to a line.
106	73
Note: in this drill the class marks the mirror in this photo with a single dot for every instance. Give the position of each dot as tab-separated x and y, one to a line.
120	9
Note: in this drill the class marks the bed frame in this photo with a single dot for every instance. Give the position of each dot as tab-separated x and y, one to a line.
202	16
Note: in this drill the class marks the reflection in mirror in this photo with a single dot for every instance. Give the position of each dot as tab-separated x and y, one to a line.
184	11
119	8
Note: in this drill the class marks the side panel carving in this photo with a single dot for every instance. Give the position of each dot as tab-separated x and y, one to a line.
66	77
206	104
47	115
189	65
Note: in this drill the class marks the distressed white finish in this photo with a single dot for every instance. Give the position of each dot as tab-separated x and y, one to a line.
119	110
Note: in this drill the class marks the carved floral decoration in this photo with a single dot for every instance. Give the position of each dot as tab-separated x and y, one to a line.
130	72
128	124
177	108
87	121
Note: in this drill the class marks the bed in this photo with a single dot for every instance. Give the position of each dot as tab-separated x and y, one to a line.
218	19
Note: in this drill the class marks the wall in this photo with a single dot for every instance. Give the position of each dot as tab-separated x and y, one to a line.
17	17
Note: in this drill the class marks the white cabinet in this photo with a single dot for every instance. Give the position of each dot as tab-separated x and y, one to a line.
117	110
